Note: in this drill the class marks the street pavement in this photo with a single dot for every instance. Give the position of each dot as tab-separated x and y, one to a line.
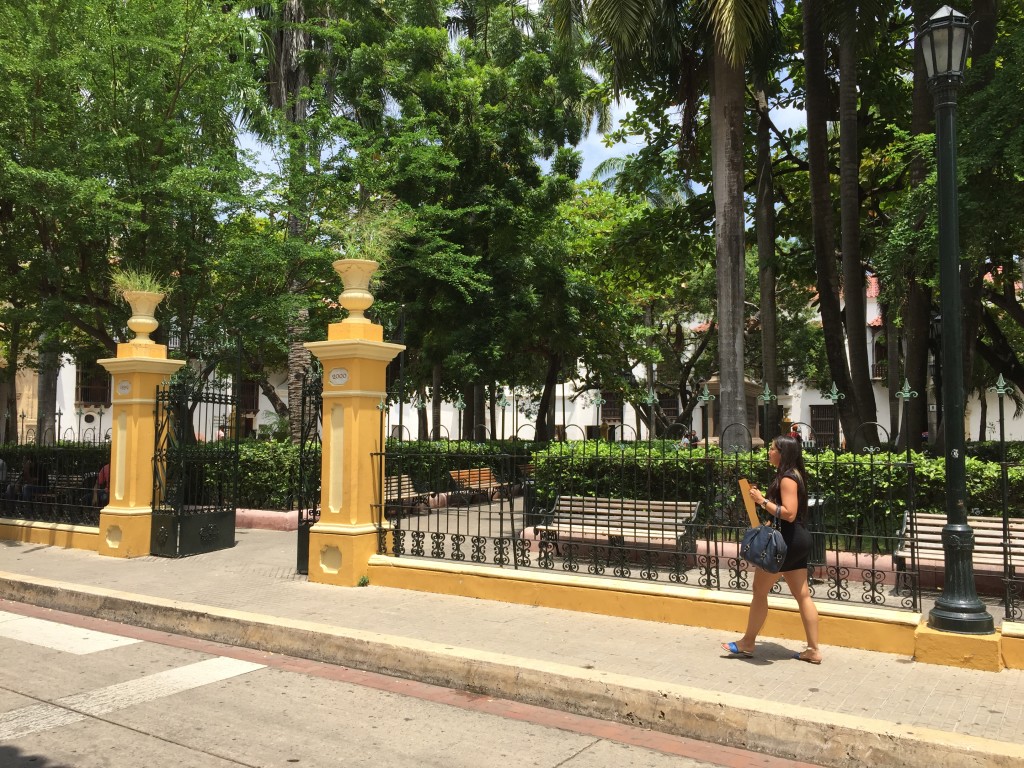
857	708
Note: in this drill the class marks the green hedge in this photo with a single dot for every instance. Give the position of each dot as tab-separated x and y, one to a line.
268	471
855	485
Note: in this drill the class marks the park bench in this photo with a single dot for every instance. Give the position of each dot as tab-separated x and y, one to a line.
924	541
67	489
476	484
402	499
619	522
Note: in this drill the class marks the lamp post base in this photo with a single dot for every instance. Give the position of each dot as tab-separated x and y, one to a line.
959	609
965	622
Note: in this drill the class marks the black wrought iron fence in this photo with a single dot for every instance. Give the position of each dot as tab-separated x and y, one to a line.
195	468
54	483
647	510
307	493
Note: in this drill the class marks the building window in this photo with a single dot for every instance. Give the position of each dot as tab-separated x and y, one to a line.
611	410
669	404
879	355
92	385
823	424
249	397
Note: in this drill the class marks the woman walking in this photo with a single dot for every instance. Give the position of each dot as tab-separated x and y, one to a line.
786	500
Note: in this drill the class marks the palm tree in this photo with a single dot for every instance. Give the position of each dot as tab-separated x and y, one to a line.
822	228
285	79
651	36
855	311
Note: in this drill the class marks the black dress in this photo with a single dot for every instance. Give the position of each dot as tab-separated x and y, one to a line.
795	534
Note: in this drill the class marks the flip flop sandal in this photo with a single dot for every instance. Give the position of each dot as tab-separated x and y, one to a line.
736	650
802	657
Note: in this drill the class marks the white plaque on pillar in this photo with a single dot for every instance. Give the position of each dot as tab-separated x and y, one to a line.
124	387
338	376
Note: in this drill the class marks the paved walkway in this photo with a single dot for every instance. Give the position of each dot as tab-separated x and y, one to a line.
857	707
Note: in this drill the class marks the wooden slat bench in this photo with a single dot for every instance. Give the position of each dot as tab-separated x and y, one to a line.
401	498
476	484
926	542
616	522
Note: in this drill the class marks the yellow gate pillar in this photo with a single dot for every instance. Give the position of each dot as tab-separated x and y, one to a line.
355	358
137	371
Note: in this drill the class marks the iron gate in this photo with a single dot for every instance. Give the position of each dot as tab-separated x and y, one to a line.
195	469
308	491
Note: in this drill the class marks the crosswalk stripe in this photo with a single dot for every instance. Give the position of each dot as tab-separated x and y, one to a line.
58	637
78	707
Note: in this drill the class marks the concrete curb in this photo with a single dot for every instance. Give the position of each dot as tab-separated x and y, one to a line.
740	721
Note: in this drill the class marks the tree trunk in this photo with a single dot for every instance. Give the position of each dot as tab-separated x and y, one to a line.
298	364
476	426
764	217
422	427
849	208
727	84
821	209
46	393
547	399
917	317
983	416
5	406
285	83
435	400
9	399
972	281
280	406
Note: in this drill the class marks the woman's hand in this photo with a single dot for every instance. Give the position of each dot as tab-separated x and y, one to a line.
756	495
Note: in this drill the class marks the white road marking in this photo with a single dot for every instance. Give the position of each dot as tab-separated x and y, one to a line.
80	706
58	637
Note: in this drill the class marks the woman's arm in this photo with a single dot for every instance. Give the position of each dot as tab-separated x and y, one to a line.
790	505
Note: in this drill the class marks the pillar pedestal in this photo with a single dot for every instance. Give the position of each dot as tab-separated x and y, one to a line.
126	521
355	358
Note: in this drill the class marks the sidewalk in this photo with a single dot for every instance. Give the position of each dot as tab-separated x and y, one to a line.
857	708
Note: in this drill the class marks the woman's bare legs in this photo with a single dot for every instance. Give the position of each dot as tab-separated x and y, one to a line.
763	583
797	582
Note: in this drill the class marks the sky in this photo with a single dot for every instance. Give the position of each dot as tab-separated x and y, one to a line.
592	147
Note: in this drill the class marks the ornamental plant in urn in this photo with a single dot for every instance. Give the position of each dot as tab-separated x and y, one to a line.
366	240
142	291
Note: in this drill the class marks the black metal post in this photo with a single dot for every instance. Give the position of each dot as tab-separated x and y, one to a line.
958	608
565	427
401	371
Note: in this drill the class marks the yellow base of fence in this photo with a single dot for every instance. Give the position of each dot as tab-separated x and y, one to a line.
871	629
338	553
849	626
1012	644
50	534
951	649
125	532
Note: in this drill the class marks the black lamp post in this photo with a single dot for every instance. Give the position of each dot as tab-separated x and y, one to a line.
945	39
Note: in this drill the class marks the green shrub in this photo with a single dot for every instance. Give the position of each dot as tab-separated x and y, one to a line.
268	472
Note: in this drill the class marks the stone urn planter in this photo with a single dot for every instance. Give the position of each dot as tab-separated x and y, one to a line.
143	320
355	275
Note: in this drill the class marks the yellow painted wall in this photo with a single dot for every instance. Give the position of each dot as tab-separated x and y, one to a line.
869	629
50	534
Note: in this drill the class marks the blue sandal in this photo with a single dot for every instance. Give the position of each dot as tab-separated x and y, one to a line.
736	650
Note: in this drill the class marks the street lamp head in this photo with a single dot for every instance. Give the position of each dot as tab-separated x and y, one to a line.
945	39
